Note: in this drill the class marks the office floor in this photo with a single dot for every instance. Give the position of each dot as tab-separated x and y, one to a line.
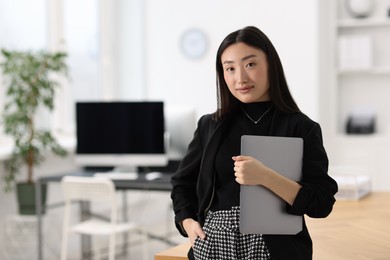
152	209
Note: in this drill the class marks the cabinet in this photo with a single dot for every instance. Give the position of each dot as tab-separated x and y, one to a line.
358	67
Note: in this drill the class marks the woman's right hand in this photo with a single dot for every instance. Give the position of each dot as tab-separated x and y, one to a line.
193	230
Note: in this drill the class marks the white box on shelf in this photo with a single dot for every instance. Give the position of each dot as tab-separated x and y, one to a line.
355	52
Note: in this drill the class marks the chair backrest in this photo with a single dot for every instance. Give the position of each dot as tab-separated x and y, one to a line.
88	189
91	189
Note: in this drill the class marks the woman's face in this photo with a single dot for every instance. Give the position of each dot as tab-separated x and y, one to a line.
245	70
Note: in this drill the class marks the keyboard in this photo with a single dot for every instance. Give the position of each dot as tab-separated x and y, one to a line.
118	175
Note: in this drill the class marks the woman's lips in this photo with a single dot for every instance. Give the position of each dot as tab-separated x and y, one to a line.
244	90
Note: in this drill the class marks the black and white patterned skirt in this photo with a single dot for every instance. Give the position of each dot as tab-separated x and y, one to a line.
224	240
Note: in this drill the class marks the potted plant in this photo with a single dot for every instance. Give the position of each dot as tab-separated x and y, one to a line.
30	86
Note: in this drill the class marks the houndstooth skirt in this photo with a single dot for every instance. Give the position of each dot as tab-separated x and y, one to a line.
224	240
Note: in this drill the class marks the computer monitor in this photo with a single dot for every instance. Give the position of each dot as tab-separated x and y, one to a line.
120	134
180	123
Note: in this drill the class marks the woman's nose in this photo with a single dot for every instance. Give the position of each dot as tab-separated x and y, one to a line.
242	76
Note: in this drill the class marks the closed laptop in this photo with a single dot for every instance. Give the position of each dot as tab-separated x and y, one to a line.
261	210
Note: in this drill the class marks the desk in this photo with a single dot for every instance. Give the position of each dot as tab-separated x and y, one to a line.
176	253
354	230
140	183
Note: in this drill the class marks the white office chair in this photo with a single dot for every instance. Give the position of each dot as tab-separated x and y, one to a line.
94	189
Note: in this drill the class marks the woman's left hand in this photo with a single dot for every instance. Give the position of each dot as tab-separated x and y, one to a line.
249	171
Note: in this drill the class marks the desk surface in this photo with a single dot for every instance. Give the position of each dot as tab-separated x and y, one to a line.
176	253
354	230
161	184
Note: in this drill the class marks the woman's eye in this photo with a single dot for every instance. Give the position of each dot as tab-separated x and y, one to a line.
250	65
229	69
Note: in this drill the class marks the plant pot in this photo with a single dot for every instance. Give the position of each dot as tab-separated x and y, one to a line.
25	194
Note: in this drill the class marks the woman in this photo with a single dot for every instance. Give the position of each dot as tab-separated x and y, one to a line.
253	99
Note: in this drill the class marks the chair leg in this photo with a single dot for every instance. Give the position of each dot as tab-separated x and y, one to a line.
145	244
65	232
111	249
64	246
98	248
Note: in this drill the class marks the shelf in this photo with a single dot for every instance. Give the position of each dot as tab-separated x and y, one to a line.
385	70
370	138
350	23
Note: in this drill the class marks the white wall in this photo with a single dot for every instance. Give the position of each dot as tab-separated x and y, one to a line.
291	25
148	63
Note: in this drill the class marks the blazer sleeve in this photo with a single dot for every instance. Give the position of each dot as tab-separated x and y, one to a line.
316	197
184	181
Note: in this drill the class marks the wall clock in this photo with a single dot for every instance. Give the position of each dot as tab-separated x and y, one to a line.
193	43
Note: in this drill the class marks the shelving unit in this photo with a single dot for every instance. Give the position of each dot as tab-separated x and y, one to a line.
365	85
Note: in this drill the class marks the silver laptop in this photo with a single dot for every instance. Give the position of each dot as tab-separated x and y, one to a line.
262	211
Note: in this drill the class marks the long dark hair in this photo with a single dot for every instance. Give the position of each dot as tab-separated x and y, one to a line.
278	89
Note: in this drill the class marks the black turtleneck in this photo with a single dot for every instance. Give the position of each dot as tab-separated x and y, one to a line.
227	189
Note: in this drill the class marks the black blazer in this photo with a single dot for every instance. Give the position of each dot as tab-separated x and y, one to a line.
193	183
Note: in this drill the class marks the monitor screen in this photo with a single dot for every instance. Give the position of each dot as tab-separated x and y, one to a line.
120	133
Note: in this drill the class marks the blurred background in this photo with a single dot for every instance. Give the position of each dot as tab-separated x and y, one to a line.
334	54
